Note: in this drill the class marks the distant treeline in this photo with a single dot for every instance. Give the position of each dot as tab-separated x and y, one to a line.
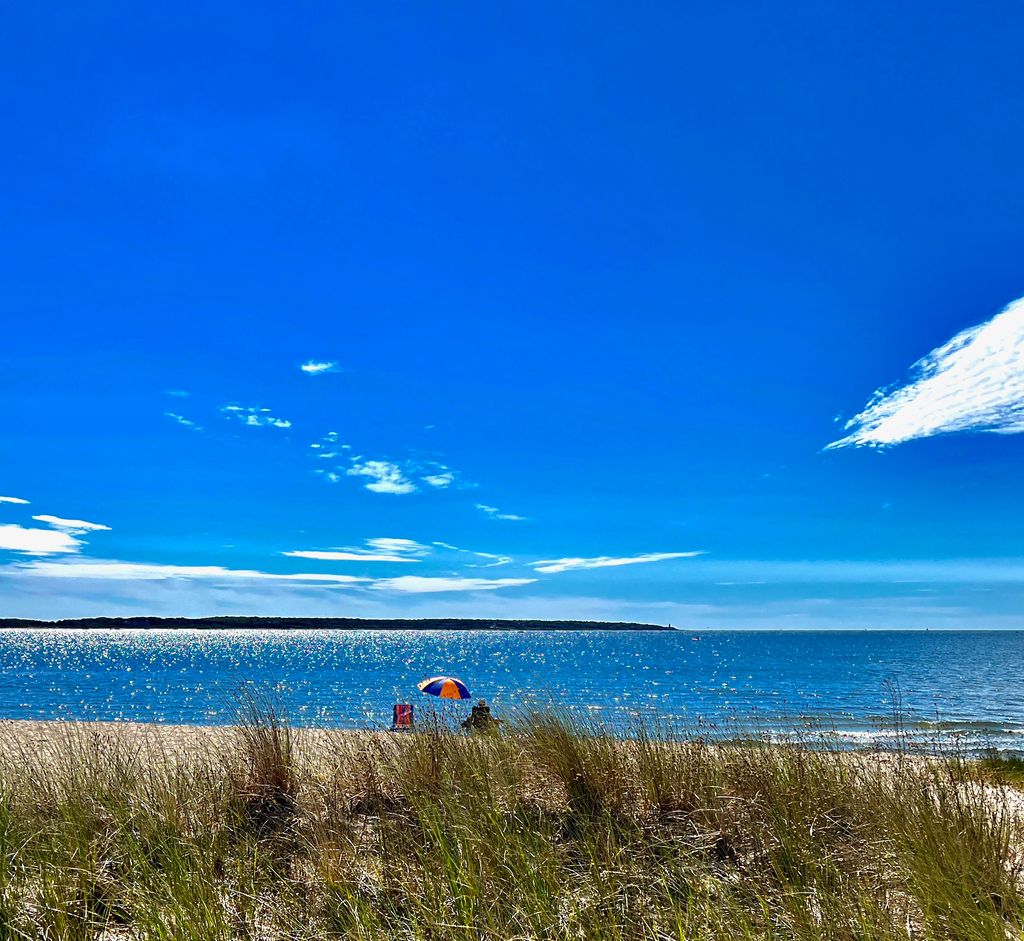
339	624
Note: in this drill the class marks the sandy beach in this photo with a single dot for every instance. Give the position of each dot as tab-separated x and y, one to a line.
160	743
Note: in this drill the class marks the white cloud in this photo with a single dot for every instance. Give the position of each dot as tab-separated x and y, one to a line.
392	544
115	570
385	477
402	476
147	571
328	446
440	479
380	550
345	555
318	367
76	527
975	382
495	559
183	421
420	584
13	500
254	416
494	513
551	566
32	541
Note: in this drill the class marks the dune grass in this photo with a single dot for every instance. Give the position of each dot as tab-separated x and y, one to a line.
551	830
1000	768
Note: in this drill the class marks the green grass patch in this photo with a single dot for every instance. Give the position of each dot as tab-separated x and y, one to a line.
1001	768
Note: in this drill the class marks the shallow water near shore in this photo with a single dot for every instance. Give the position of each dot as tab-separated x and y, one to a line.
951	688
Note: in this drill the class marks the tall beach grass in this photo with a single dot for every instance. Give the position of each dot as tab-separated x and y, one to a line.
553	829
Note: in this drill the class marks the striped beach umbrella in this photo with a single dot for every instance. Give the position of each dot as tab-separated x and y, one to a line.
447	687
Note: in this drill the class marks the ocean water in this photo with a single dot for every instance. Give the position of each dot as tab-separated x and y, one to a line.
948	688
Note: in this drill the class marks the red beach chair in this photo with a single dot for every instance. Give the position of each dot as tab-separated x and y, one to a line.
401	718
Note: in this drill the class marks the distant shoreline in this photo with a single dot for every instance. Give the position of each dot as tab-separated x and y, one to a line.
339	624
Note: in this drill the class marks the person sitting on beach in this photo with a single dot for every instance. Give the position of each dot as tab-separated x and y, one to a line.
480	719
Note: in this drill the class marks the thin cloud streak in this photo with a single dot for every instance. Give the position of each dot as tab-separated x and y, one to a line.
183	421
421	584
975	382
319	367
553	566
353	555
382	549
393	544
494	557
75	527
494	513
151	571
13	500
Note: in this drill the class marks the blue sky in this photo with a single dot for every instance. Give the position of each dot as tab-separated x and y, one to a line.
598	286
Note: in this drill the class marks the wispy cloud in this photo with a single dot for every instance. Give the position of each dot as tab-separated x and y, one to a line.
384	476
183	421
32	541
440	478
552	566
379	550
13	500
318	367
345	555
75	527
392	544
494	558
975	382
121	571
421	584
494	513
254	416
149	571
177	393
328	448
